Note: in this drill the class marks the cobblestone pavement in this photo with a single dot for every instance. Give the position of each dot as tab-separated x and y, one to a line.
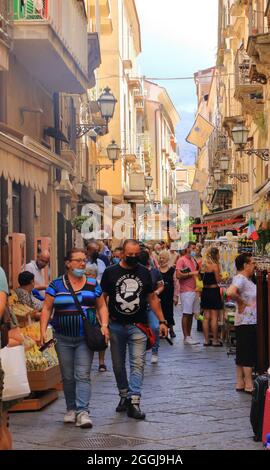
188	397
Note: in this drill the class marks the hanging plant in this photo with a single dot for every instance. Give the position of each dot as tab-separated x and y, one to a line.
78	222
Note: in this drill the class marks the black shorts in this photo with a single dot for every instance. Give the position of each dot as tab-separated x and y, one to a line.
246	345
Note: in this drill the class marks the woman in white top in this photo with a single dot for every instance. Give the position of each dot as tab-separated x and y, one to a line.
244	291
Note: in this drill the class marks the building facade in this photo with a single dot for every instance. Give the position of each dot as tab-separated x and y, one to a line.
237	152
45	67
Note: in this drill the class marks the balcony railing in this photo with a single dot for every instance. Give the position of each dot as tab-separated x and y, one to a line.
218	144
66	19
242	68
31	10
258	23
245	70
5	15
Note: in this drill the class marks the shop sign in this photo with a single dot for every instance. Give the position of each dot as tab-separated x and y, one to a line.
200	231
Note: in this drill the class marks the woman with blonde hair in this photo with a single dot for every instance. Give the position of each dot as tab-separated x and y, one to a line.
211	301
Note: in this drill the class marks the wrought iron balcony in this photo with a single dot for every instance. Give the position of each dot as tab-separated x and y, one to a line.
56	34
258	23
258	47
248	83
217	147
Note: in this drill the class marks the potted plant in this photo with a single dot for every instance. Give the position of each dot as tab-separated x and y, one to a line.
78	222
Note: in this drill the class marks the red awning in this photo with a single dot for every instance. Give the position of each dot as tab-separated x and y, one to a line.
219	223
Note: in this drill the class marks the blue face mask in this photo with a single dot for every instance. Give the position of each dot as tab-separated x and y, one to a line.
78	272
116	260
193	254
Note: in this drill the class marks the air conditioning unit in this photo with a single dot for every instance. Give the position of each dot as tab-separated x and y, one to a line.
136	182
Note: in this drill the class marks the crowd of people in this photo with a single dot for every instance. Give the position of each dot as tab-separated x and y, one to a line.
123	290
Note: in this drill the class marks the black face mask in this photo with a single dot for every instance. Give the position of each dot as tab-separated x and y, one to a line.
132	261
94	256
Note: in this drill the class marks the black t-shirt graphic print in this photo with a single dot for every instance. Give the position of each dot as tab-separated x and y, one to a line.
127	290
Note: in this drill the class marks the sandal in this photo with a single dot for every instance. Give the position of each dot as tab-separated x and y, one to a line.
217	345
239	389
102	368
207	344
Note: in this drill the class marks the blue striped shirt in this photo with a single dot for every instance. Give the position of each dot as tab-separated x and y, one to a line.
67	320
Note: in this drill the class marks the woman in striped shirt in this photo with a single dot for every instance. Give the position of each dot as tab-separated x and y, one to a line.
74	356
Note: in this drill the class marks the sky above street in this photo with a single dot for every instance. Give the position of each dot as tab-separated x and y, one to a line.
178	38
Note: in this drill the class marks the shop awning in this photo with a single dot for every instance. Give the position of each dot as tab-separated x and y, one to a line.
229	227
229	213
200	132
20	171
27	162
216	225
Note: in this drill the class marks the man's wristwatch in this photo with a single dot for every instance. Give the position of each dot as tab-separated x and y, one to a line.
163	322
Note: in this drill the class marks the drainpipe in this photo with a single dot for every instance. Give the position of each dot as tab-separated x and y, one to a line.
158	110
97	14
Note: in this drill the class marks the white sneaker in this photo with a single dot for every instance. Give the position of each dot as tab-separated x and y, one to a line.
190	341
83	420
70	417
154	359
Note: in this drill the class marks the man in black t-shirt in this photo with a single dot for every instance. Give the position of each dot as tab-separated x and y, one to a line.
128	287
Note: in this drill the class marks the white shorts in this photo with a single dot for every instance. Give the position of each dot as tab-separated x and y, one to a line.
190	303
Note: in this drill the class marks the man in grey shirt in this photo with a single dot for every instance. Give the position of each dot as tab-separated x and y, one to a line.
37	268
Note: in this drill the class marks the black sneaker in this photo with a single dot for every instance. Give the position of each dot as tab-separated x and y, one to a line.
172	333
122	405
134	411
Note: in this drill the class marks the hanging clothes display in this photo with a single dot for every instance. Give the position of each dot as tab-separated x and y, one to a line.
228	249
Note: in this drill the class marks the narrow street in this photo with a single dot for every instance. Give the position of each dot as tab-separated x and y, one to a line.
189	400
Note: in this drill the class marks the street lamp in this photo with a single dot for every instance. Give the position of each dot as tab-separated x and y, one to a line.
107	103
240	138
148	181
224	161
152	195
217	174
113	152
240	135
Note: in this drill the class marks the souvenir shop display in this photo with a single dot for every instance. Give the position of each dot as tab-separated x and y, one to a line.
228	249
42	369
245	245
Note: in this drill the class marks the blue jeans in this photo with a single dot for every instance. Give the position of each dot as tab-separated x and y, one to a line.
75	360
122	336
153	322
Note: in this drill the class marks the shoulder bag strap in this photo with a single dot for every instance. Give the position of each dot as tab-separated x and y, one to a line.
75	298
